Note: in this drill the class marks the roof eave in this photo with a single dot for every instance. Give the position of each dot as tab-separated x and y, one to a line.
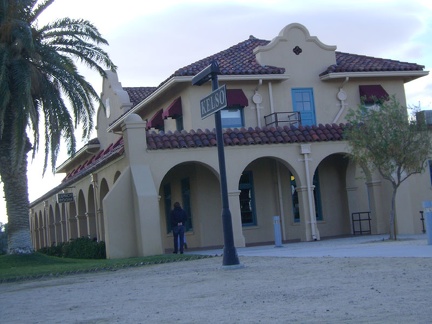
253	77
406	75
82	152
116	126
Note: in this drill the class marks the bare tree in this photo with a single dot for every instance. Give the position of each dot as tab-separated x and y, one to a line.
386	140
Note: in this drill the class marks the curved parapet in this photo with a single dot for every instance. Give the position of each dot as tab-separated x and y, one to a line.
293	42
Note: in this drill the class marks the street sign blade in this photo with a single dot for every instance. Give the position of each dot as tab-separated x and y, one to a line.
214	102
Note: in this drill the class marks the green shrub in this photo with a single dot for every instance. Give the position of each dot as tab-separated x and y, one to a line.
80	248
54	250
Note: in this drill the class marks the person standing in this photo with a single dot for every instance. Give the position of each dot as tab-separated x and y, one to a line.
178	220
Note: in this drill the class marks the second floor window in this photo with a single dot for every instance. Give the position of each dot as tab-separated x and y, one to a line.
179	123
303	102
232	117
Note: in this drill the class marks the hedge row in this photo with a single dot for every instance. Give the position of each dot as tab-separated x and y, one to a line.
80	248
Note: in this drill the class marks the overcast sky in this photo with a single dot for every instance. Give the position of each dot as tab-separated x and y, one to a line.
149	40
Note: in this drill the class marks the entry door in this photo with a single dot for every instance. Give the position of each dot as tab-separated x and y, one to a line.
303	102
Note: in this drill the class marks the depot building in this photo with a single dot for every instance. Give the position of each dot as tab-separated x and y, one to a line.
285	154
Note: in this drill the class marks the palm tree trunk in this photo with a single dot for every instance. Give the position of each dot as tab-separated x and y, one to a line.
15	188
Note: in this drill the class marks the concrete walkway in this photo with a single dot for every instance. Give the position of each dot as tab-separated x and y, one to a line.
351	247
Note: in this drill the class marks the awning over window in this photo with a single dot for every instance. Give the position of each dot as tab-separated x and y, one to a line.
372	93
174	109
156	121
236	97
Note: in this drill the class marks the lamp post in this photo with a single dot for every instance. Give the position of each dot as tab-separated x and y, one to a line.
230	257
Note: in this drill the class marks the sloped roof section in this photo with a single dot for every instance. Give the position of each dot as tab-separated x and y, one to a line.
96	161
236	60
240	60
138	94
346	62
92	164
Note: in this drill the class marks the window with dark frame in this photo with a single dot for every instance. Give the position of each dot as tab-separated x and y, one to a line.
232	117
179	122
247	199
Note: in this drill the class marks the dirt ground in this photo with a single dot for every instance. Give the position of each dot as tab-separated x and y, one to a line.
264	290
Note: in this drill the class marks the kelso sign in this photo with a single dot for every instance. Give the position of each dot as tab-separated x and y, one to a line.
214	102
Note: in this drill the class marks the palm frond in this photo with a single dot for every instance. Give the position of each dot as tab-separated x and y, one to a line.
38	10
40	79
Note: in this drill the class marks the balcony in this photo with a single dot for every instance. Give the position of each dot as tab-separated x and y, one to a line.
283	119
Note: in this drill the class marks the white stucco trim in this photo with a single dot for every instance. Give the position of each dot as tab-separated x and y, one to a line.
408	75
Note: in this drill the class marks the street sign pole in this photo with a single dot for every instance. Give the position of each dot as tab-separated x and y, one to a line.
230	257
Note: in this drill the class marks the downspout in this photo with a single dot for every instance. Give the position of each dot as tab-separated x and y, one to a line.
305	150
257	99
342	96
271	97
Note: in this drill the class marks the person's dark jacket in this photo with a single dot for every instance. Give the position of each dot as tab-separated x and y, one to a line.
178	215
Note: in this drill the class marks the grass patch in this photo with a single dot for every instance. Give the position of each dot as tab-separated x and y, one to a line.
37	265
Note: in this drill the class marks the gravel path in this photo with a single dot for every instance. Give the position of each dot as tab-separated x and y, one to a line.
264	290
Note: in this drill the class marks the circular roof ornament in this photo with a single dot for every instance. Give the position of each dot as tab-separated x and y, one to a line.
342	96
257	98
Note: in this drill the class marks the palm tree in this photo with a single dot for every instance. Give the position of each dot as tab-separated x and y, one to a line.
37	75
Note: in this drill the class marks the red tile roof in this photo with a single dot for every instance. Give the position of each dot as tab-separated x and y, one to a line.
240	60
138	94
346	62
207	138
245	136
96	161
236	60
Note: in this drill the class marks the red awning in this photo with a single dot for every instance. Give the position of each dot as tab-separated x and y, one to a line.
173	110
156	121
236	97
372	93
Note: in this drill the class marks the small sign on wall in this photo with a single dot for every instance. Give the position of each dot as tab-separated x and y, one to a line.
65	197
